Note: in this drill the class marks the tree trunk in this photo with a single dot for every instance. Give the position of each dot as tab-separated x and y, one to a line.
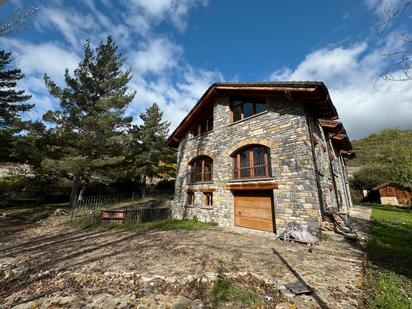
74	193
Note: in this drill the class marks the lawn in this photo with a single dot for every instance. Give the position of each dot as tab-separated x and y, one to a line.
389	270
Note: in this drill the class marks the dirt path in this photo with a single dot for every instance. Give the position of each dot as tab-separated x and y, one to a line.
51	264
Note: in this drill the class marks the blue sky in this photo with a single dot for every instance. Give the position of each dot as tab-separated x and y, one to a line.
177	48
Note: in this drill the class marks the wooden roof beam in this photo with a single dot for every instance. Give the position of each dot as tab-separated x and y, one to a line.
280	89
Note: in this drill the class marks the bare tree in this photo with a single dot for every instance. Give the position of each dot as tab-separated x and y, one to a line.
400	61
14	16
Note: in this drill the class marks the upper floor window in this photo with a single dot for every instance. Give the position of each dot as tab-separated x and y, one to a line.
201	169
251	162
243	109
203	126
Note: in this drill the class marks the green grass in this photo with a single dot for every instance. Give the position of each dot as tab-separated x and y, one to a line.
389	270
226	291
169	224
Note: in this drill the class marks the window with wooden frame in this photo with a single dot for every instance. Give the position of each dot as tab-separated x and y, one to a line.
201	169
203	126
251	162
208	199
242	109
190	199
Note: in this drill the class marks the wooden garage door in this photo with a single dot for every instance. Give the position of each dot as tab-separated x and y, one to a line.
253	209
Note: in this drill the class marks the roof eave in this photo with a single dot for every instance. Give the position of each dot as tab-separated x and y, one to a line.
286	88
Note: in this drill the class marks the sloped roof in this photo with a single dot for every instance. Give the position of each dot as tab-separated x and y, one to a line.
312	92
338	135
392	183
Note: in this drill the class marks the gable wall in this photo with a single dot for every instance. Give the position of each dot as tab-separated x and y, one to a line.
284	130
331	171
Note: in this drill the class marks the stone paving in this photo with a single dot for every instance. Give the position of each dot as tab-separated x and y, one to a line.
51	265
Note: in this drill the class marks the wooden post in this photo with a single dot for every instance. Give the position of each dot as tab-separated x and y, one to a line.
203	170
251	164
238	166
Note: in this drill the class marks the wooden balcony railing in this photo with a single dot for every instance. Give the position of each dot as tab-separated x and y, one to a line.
245	172
206	177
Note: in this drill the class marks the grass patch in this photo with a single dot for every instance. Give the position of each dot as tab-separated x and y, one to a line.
226	291
169	224
389	272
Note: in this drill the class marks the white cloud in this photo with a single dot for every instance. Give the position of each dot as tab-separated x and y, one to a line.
174	99
42	104
37	59
156	56
155	11
161	74
72	24
383	7
364	103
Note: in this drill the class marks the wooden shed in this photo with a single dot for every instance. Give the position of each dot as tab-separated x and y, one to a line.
391	193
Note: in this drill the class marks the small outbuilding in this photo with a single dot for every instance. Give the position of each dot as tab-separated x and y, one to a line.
391	193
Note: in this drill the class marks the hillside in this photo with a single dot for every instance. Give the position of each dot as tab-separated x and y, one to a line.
369	150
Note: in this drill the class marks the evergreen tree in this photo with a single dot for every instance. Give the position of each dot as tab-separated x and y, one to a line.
11	100
150	156
31	149
89	127
12	103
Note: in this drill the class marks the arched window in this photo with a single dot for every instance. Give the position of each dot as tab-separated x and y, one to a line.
201	169
251	162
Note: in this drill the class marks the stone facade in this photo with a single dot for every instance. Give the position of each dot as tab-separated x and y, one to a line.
307	181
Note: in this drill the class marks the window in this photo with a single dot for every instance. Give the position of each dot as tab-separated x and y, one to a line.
207	199
251	162
203	126
190	198
244	109
201	169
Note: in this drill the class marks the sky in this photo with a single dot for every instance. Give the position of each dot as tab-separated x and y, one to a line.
178	48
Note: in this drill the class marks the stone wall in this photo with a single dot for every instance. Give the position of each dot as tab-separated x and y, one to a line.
284	129
331	170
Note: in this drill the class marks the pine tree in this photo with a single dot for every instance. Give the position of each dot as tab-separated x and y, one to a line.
11	100
150	156
89	127
11	104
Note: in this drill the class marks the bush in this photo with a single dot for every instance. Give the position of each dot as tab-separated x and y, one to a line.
369	177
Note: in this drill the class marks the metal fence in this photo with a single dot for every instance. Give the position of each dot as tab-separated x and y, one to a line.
110	200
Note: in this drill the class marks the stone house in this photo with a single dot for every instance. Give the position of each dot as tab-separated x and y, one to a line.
261	155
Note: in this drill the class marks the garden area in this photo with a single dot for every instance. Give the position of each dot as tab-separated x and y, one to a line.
389	249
